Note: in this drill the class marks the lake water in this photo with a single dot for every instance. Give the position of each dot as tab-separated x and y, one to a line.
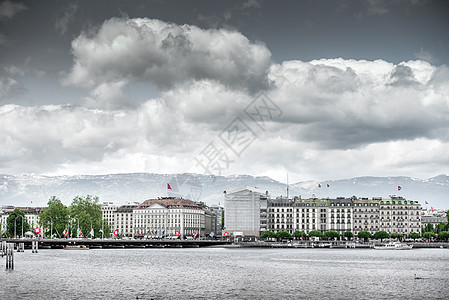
219	273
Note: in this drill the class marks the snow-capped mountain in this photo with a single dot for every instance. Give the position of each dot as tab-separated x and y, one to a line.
35	190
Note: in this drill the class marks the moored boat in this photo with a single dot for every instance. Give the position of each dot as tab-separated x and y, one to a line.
76	247
394	246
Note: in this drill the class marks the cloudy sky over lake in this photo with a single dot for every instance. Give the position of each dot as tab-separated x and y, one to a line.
316	89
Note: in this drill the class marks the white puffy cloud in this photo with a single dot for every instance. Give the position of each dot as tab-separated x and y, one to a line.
167	54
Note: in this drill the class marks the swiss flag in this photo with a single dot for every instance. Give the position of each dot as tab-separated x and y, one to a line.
177	233
116	232
168	186
427	202
37	230
66	233
226	233
399	188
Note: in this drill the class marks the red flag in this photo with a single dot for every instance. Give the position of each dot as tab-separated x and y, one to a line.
80	232
37	230
399	188
427	202
319	185
177	233
116	232
168	186
431	207
66	233
226	233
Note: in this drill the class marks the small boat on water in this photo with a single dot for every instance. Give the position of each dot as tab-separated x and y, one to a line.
76	247
394	246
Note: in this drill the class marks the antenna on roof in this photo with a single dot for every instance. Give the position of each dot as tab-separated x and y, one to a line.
287	186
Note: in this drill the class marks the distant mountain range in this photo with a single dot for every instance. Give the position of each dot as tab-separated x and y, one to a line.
35	190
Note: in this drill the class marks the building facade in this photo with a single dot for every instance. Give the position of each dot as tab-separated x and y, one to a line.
398	215
123	219
172	217
245	211
394	215
108	209
217	219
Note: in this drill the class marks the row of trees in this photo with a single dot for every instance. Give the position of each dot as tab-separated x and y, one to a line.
331	234
57	219
365	235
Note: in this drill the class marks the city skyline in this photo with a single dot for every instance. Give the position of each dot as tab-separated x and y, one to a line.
321	91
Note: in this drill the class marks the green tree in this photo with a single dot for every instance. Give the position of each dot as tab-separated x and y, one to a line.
440	227
428	228
331	234
87	213
14	223
268	234
429	235
365	235
443	235
348	234
283	234
299	234
414	235
396	235
380	235
54	218
315	233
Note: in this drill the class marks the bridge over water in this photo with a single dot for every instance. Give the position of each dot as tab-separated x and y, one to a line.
117	243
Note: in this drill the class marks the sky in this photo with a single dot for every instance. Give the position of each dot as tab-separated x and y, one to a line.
317	90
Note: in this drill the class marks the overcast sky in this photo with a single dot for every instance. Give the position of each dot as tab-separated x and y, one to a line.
316	89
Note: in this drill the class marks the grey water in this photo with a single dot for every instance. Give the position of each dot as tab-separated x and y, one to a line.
221	273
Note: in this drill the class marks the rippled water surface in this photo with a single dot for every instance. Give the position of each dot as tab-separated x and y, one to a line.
217	273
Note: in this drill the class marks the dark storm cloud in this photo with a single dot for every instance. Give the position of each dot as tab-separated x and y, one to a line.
371	110
341	104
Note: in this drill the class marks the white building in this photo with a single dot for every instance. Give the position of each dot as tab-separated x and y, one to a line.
123	219
165	217
245	211
398	215
108	209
